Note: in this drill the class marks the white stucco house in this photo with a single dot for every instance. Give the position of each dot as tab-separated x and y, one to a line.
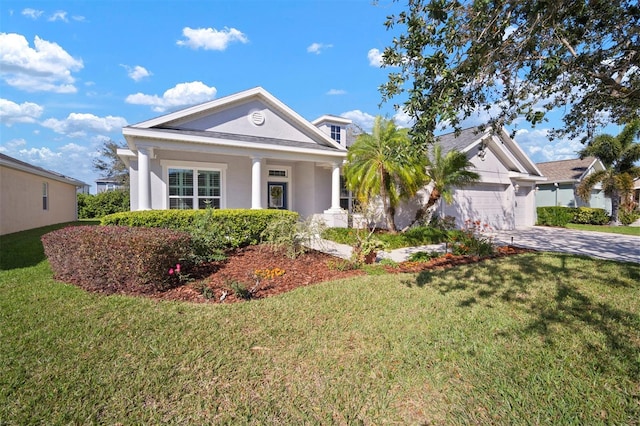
246	150
249	150
504	197
563	178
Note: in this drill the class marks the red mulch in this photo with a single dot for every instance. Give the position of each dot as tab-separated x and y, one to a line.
310	268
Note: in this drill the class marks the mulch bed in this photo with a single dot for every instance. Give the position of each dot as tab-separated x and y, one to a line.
310	268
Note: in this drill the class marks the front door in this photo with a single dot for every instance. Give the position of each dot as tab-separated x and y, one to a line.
277	195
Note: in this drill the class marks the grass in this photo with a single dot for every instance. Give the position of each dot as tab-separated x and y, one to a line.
624	230
529	339
416	236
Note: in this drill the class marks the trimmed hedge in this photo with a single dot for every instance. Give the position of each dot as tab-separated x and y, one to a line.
590	216
99	205
111	259
227	228
554	216
560	216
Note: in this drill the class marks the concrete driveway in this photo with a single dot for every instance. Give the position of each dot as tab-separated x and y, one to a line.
595	244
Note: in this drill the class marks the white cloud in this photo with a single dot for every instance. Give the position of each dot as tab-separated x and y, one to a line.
79	18
46	67
39	156
317	48
210	38
337	92
32	13
59	15
137	73
536	143
402	119
375	57
182	94
11	112
13	144
73	160
70	160
78	125
362	119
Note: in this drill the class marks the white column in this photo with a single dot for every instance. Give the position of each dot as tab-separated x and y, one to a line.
256	182
144	178
335	217
335	187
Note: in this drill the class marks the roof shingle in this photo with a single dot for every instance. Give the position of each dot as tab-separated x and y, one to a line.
565	170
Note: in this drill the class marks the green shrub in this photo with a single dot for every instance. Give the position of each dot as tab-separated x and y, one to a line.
424	256
590	216
627	217
291	236
341	235
102	204
472	240
554	216
215	229
239	289
114	259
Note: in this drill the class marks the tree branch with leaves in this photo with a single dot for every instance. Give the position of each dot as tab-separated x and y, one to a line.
110	165
525	57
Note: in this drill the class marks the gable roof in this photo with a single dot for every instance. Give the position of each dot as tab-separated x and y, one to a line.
573	170
472	139
171	122
16	164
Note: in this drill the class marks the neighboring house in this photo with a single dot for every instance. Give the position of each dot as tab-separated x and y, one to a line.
563	177
31	197
246	150
503	198
108	184
84	189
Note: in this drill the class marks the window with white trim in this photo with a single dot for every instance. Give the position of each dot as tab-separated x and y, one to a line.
335	133
203	191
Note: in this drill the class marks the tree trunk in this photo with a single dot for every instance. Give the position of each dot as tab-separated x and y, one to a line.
434	196
388	211
615	207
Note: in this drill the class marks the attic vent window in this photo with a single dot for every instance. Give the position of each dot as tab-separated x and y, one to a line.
257	118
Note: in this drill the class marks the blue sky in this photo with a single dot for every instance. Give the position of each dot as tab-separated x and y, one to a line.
73	73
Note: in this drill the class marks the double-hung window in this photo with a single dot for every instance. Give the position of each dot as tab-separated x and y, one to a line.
335	133
192	188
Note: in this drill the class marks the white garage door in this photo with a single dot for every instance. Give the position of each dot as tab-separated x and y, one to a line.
487	203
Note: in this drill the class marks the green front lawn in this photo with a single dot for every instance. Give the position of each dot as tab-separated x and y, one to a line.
624	230
529	339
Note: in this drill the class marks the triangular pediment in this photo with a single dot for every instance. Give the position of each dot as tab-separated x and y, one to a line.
252	113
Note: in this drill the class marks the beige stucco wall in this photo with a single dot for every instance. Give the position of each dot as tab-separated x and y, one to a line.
21	201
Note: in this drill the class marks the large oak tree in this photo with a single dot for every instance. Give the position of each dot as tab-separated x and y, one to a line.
521	57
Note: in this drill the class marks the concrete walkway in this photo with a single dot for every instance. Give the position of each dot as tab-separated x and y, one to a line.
600	245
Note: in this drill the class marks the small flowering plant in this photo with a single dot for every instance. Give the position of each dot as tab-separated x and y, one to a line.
473	240
266	274
177	272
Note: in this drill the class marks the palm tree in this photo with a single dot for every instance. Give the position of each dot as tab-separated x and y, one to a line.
446	172
618	155
386	164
